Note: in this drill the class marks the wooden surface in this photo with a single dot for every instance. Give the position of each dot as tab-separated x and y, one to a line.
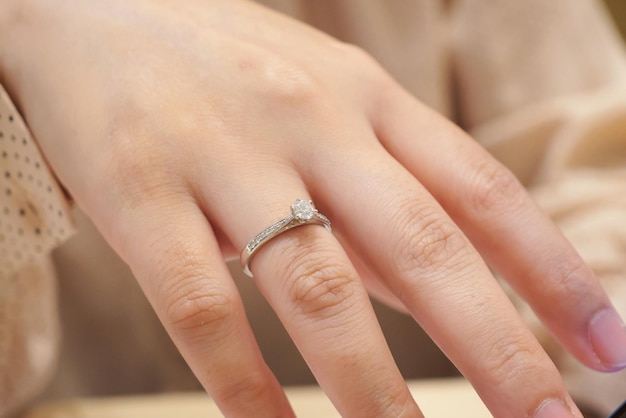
443	398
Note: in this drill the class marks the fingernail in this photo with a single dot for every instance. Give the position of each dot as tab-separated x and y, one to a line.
553	408
607	335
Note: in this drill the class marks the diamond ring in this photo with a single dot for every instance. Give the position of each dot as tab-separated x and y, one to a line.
302	213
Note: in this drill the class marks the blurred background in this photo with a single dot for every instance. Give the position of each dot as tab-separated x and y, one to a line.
618	8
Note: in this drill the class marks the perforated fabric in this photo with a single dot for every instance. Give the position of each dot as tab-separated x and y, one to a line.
34	219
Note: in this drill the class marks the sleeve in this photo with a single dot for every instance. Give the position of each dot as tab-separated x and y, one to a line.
34	220
542	86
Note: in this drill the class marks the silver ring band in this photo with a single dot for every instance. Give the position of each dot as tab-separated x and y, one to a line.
302	213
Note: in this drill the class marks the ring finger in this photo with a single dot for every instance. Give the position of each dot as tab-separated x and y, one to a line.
309	281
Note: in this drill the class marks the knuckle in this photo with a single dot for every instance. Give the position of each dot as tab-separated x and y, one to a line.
281	81
494	189
430	243
252	389
567	284
396	403
194	310
200	310
319	286
571	273
199	315
509	362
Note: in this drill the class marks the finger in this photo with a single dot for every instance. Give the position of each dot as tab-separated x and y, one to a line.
174	254
507	228
437	274
375	286
309	281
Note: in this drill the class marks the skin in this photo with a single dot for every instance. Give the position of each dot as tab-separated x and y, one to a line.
185	128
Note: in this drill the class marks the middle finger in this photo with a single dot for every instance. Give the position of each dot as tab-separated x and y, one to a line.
424	258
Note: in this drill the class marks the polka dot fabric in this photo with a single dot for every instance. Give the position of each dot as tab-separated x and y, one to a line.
33	220
33	210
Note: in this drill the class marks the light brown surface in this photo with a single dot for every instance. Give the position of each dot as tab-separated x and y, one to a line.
438	398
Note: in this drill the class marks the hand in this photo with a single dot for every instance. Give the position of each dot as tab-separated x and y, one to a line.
183	129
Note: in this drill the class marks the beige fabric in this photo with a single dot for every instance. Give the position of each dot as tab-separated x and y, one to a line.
34	209
34	221
542	84
409	37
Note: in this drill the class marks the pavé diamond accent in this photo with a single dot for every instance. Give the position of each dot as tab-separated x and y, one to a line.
266	233
302	212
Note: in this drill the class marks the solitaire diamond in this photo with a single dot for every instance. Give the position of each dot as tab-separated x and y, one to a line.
303	210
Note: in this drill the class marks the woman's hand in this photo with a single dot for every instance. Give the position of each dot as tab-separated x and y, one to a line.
185	128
